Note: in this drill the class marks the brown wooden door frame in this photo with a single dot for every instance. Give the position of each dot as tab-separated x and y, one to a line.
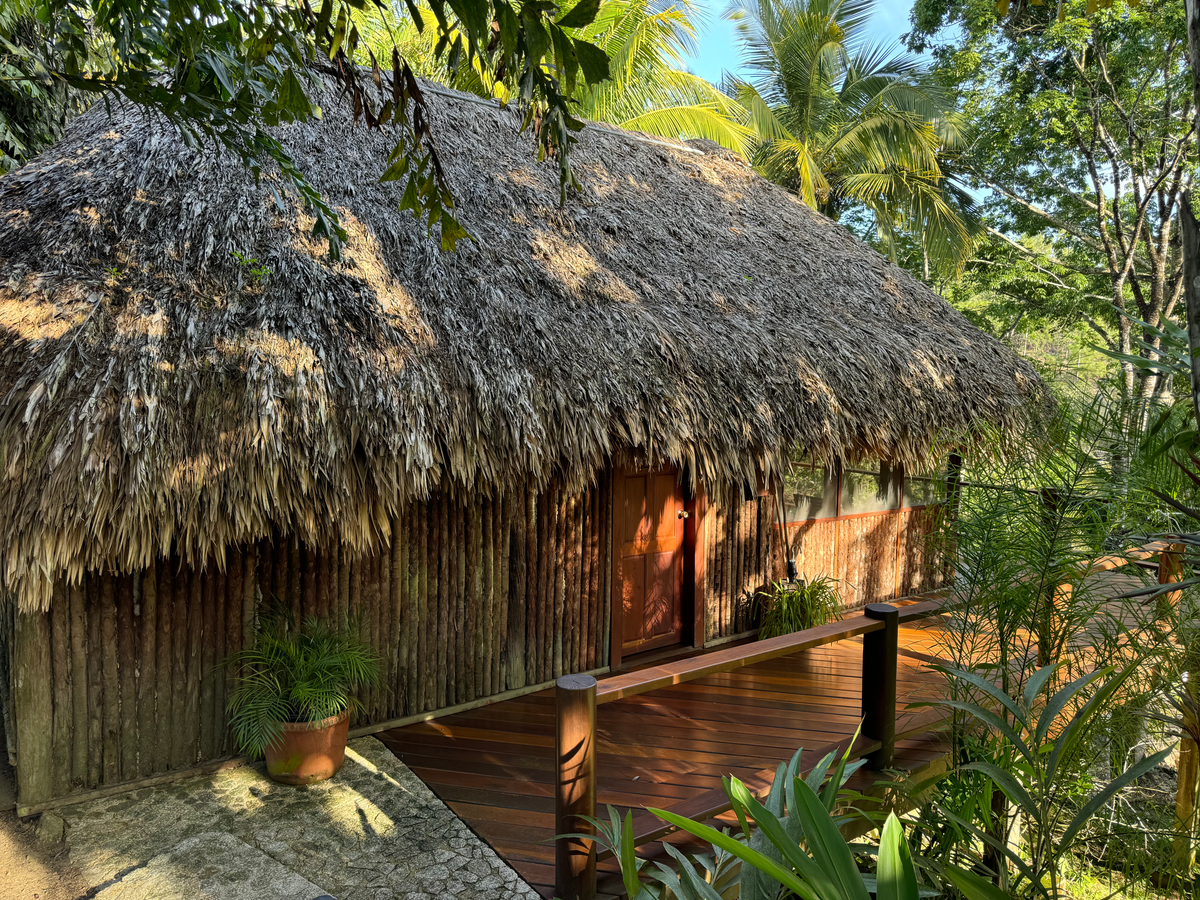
692	588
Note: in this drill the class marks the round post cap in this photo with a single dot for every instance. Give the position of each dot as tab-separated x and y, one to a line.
575	682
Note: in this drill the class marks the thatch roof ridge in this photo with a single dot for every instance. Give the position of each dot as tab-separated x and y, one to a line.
160	395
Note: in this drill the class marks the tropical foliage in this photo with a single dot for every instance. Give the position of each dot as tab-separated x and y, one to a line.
649	89
796	848
1064	103
846	122
304	673
788	608
223	71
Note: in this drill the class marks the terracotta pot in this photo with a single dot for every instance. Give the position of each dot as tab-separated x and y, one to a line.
309	751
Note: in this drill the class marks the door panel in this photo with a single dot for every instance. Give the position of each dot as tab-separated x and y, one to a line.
633	595
650	558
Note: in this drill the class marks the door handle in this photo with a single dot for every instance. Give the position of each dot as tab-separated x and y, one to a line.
682	514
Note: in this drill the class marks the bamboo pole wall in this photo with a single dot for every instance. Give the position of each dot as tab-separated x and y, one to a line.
473	596
737	562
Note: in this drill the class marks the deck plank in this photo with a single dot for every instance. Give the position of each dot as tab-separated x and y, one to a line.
668	747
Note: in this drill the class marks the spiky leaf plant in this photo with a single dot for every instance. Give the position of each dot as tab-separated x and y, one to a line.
790	609
295	674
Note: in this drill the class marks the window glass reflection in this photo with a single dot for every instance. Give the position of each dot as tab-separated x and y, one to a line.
870	486
809	490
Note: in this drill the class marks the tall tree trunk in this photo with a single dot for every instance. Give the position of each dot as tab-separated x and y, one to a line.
1191	282
1189	757
1190	234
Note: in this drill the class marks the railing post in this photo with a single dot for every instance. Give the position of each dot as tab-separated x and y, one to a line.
1170	571
575	789
1046	614
880	654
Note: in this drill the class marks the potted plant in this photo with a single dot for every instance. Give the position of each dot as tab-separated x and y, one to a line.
294	696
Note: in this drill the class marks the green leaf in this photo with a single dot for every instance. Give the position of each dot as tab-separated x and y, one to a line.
593	62
452	232
507	20
896	878
412	197
732	845
1102	797
972	886
1035	684
990	718
396	170
827	844
990	689
581	14
537	35
1009	785
292	97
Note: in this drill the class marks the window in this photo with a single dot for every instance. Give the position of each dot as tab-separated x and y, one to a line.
870	486
809	490
925	487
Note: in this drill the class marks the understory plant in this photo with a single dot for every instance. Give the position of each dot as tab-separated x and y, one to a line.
791	607
1044	739
795	849
295	673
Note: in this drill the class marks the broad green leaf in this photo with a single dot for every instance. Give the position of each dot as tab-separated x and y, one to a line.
292	97
452	232
1035	684
990	718
593	62
581	14
732	845
989	688
1060	700
808	868
827	844
1009	785
896	878
972	886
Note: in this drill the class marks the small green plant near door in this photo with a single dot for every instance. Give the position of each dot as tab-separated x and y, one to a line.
295	693
794	606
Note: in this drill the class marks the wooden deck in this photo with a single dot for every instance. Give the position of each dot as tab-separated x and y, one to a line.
494	766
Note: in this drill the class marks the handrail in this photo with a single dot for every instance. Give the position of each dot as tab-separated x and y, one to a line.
616	687
576	697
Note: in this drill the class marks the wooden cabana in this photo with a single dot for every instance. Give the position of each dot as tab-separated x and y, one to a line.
542	454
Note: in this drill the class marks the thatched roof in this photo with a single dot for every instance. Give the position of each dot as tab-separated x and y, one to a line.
157	396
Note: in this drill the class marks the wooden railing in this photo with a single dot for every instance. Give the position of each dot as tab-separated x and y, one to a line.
576	698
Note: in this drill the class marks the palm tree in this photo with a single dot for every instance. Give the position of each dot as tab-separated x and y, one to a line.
647	42
848	123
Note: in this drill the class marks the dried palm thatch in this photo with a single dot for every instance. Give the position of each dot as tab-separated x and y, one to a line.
158	394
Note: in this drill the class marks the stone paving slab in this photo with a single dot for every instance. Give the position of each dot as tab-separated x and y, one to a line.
374	832
212	866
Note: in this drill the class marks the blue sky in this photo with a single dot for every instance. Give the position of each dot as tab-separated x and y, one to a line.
718	53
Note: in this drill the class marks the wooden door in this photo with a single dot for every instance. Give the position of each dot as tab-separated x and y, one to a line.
648	534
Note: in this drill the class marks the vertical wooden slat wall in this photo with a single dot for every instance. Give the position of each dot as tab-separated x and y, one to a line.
474	596
875	557
737	563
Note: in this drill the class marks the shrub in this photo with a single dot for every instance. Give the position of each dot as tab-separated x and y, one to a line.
295	674
787	609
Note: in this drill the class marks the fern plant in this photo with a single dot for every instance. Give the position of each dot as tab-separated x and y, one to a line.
295	674
789	609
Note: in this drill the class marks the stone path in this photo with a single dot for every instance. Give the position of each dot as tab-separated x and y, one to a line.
374	832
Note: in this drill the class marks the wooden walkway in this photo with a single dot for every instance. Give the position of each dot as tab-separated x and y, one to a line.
494	766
